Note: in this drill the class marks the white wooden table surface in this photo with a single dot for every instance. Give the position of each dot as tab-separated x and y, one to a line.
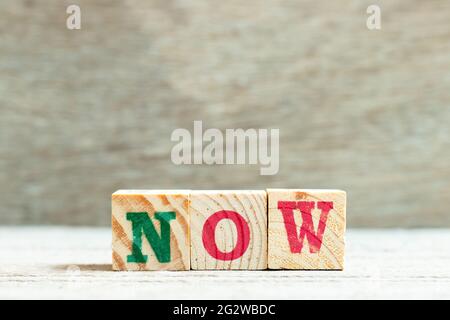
62	262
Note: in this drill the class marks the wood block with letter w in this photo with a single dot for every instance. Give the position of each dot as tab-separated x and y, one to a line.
306	229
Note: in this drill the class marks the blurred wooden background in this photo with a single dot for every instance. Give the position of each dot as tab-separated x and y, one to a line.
84	113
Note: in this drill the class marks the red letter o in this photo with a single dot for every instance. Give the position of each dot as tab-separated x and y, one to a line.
209	233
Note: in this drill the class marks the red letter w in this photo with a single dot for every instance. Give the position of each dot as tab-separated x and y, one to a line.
307	228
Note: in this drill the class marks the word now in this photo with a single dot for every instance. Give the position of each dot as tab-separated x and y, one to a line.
228	229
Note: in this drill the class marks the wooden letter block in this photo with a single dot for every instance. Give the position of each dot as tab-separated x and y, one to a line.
150	230
306	229
229	230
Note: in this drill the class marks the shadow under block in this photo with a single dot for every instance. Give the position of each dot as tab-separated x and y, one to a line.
306	229
150	230
228	230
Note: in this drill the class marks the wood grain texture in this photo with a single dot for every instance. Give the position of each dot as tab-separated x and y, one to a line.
330	253
363	111
380	264
251	205
124	201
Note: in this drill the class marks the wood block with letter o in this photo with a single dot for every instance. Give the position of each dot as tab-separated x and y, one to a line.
306	229
150	230
228	229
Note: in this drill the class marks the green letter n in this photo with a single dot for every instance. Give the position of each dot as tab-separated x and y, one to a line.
140	221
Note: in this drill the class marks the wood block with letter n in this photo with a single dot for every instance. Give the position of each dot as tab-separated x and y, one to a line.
229	230
150	230
306	229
